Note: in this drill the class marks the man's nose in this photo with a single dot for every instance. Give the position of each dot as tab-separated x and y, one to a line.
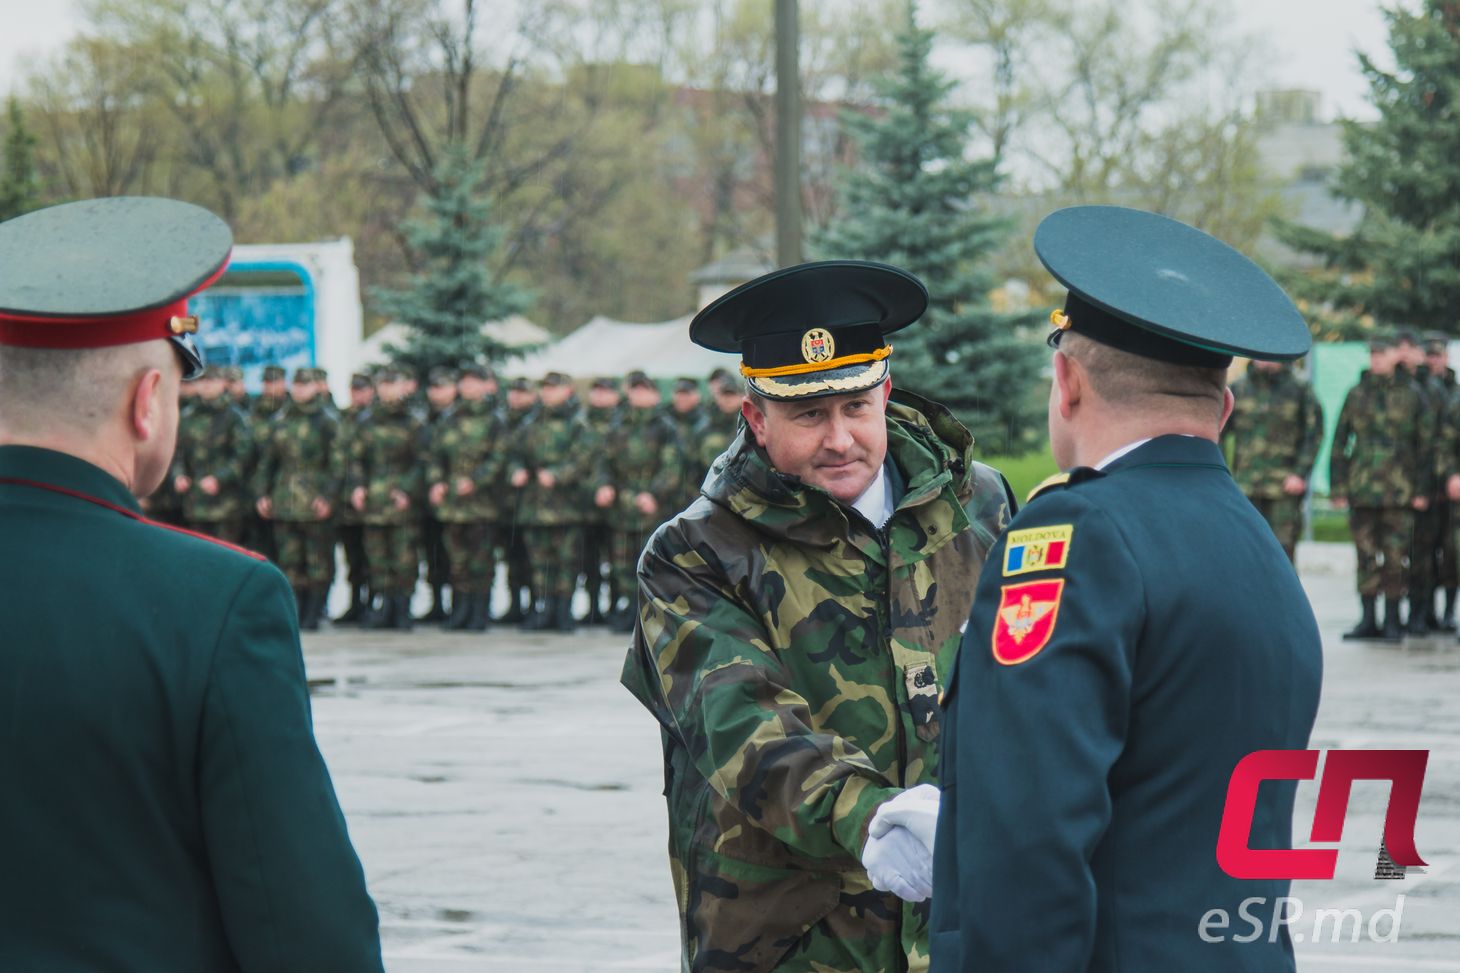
838	435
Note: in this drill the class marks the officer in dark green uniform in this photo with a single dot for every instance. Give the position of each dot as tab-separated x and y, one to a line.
167	807
1137	632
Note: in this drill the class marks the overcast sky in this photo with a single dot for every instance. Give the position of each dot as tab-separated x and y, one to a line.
1313	41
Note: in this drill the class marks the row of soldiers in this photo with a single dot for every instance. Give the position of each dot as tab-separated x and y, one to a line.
1394	466
462	476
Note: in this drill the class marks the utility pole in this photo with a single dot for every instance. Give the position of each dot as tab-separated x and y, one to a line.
788	134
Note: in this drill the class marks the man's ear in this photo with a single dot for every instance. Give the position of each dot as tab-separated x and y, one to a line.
1229	401
146	405
886	390
755	418
1069	383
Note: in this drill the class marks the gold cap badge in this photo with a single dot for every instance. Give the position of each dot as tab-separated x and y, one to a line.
817	345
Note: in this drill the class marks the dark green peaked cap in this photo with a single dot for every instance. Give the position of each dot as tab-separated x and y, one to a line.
105	272
813	329
1156	287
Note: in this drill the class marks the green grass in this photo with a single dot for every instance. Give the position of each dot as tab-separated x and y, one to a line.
1024	472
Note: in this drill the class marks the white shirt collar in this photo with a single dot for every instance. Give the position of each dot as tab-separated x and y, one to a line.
875	503
1129	447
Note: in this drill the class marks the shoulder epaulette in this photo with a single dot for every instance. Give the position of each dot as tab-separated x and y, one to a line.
1061	480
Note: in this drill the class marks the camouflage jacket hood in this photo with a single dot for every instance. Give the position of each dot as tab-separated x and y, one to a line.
793	654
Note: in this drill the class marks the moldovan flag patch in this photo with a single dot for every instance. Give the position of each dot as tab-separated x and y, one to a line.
1025	619
1037	549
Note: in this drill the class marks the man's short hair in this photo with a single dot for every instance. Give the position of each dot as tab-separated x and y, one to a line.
1132	381
76	388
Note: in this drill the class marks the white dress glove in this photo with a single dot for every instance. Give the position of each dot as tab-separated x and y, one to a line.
897	862
898	855
915	809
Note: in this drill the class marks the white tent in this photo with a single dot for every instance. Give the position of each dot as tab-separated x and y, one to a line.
604	346
514	332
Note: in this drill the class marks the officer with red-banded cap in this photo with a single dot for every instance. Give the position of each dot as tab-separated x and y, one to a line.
168	808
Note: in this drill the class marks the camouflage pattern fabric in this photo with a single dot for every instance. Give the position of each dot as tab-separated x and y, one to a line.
215	441
468	443
690	430
471	547
1285	516
597	534
1379	457
511	536
556	442
299	464
1447	456
793	656
639	454
556	555
306	552
394	555
1275	431
350	522
719	432
386	453
1382	536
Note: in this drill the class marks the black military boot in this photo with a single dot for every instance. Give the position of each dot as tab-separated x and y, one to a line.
381	616
479	619
1417	622
1368	627
401	613
622	620
462	605
1393	631
538	617
563	616
358	601
313	609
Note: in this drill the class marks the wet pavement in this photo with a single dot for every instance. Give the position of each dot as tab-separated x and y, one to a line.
504	794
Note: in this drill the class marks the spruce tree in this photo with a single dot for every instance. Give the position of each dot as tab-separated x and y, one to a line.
19	189
454	290
916	201
1401	265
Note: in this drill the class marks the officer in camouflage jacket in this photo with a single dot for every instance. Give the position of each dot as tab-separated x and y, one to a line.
1275	430
298	481
1379	471
214	449
796	624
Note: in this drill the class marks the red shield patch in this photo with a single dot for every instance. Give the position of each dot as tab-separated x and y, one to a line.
1025	619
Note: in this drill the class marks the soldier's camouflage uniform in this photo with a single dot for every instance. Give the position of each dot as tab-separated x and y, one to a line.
793	656
1447	452
512	539
1275	431
387	453
349	521
640	454
598	526
555	441
258	533
299	462
719	432
468	443
1379	464
433	530
691	427
215	441
1432	527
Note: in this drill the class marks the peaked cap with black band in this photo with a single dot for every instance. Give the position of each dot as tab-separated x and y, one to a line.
813	329
1155	287
105	272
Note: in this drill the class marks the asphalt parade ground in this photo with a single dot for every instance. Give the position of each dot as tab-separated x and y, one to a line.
504	793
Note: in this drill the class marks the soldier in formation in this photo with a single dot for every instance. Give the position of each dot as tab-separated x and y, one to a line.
1382	471
1275	431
